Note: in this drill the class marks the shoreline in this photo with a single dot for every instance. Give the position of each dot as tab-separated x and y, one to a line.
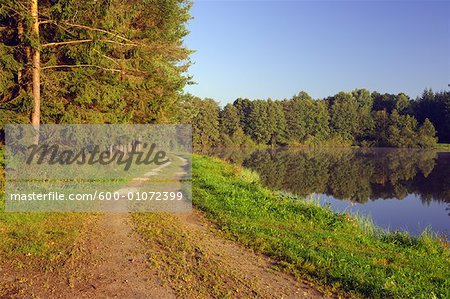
332	249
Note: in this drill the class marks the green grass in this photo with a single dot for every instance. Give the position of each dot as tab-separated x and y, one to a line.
344	252
47	237
38	240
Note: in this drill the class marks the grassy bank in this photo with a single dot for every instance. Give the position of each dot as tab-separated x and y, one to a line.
331	249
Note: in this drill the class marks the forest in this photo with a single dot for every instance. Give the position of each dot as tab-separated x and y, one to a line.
102	62
72	62
347	118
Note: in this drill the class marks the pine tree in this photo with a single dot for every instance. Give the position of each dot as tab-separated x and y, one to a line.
427	134
92	61
229	120
259	122
243	107
205	124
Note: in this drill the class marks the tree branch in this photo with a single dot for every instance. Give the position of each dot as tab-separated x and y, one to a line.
59	26
93	66
87	41
67	43
80	65
107	57
99	30
88	28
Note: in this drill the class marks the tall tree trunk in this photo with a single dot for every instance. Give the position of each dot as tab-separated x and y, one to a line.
36	68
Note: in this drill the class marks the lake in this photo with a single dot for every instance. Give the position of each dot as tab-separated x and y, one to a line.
402	189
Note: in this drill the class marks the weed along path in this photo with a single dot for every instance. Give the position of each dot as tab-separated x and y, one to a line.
162	255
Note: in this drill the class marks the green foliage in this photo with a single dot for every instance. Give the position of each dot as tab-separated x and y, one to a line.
276	122
351	114
427	134
229	120
365	121
307	120
317	120
205	124
238	138
381	124
243	107
132	69
402	131
389	102
344	115
258	120
348	118
435	107
293	110
333	249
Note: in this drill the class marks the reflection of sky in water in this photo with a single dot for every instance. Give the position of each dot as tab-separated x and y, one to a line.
406	214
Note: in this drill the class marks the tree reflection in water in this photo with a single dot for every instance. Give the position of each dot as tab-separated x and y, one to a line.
358	175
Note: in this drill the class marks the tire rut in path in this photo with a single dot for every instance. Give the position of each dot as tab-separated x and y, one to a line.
254	267
118	267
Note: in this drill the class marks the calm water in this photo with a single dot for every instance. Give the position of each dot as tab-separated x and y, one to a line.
400	189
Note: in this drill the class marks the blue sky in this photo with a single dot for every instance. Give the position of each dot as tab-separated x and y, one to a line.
274	49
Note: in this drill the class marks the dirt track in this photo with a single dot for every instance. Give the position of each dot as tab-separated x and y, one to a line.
111	260
118	267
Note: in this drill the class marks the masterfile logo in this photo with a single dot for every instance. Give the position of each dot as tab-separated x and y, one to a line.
98	168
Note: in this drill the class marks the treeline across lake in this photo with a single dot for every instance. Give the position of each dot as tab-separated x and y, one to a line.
347	118
109	62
